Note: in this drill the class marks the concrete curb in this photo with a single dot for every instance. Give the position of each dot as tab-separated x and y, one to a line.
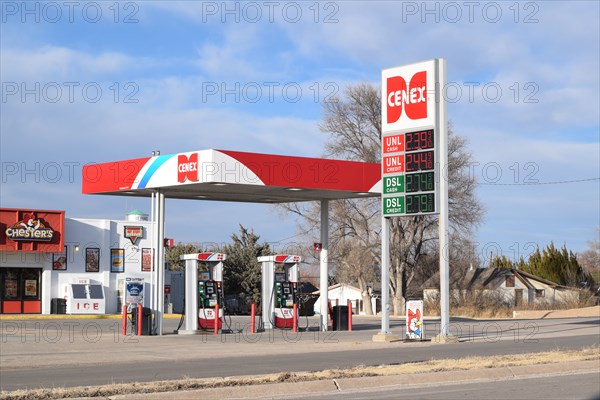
332	386
69	316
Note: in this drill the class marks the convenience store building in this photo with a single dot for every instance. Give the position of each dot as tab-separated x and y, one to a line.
45	256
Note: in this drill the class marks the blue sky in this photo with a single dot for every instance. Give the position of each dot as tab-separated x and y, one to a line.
102	81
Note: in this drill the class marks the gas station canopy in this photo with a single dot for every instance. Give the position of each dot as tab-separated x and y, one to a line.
234	176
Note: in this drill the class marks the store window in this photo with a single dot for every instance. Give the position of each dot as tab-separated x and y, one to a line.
11	285
20	290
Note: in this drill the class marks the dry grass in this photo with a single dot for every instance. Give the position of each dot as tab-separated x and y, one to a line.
586	354
493	305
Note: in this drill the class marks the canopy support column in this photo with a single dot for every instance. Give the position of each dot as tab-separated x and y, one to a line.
160	264
323	281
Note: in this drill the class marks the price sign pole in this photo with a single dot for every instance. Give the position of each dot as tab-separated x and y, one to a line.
414	160
443	219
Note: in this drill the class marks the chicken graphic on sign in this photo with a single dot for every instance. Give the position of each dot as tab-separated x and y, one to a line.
414	320
30	228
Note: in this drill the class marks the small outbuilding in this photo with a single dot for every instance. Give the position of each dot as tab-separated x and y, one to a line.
341	293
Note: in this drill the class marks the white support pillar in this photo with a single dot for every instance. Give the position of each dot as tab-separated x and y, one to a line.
442	128
152	272
385	275
323	281
191	297
160	263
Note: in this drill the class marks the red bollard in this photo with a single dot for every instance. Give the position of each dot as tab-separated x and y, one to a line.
295	320
139	320
349	316
252	317
217	319
124	322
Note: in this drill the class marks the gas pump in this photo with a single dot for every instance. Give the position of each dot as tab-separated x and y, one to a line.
279	289
203	290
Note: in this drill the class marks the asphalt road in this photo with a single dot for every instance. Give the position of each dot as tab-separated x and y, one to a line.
151	359
577	386
268	363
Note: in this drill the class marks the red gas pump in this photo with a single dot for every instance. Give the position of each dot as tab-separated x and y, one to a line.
210	290
280	290
203	292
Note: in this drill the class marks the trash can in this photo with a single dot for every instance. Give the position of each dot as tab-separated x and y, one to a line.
145	320
58	306
340	318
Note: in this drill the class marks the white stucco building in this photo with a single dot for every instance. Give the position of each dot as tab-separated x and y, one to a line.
96	252
340	293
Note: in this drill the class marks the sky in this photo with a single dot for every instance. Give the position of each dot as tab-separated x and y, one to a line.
85	82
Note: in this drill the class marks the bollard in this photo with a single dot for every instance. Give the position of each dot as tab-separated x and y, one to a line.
139	320
217	319
124	322
349	316
252	317
295	320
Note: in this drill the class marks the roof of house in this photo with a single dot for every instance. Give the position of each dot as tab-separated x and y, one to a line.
307	287
474	279
337	285
486	278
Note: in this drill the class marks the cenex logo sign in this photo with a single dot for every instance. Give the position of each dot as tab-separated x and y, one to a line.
187	168
413	99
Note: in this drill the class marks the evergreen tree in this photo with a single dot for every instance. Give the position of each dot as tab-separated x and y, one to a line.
557	265
501	262
241	270
172	255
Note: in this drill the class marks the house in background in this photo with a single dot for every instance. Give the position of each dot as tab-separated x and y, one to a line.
340	293
513	286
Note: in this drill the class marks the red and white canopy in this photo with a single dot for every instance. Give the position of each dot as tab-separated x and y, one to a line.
234	176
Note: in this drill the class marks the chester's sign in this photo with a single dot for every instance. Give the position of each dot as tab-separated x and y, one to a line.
30	228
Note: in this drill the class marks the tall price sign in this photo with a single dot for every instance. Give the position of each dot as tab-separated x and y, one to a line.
410	149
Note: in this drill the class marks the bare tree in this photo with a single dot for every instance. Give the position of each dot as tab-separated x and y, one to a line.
590	259
354	128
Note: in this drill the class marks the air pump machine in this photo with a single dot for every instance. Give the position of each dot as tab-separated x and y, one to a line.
279	289
203	291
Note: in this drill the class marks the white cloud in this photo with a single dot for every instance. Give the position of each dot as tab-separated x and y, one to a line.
60	63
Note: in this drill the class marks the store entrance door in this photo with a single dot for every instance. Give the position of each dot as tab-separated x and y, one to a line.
20	290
